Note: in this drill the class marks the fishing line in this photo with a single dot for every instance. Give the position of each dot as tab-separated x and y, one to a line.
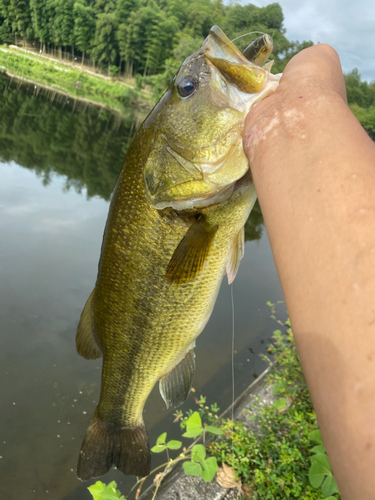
231	295
246	34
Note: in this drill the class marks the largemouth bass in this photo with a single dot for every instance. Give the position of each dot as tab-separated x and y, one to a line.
175	225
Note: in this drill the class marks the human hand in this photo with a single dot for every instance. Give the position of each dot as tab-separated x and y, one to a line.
314	74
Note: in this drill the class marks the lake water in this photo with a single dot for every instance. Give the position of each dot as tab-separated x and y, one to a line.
58	164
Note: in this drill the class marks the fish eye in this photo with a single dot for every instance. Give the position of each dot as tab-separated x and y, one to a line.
187	86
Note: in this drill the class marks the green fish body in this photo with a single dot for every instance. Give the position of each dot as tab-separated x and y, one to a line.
175	226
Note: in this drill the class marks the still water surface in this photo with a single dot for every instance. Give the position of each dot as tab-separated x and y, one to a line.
58	165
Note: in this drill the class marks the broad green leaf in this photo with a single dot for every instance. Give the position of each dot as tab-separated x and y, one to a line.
280	404
329	487
192	468
214	430
319	469
158	448
319	448
198	453
209	469
194	421
322	460
316	437
174	445
96	490
315	476
331	498
193	432
161	439
101	491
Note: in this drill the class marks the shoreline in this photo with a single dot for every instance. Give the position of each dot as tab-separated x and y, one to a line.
72	81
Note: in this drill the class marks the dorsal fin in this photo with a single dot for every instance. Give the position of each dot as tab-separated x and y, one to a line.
175	386
235	255
85	340
188	258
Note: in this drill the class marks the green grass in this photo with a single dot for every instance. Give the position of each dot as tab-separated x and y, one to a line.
73	81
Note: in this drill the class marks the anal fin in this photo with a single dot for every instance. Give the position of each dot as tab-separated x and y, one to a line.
235	255
85	340
175	386
188	258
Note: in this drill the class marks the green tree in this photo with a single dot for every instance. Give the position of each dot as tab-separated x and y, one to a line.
123	10
104	6
5	29
84	26
358	92
135	37
105	46
161	42
63	24
200	18
272	17
42	16
17	17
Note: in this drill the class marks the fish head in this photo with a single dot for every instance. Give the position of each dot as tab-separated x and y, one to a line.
196	154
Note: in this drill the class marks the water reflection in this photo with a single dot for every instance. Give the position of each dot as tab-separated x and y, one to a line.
56	134
50	242
84	143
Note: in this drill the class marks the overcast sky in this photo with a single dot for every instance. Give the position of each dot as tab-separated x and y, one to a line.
347	25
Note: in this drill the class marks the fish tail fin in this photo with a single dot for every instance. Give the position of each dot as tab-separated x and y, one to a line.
104	445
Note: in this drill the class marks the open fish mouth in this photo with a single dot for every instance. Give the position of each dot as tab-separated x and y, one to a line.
196	162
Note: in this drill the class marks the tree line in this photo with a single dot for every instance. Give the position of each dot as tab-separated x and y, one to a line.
138	36
361	99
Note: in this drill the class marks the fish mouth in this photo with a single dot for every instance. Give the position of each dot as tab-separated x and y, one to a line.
210	197
204	199
232	64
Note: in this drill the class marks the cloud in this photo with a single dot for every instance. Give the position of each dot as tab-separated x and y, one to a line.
346	25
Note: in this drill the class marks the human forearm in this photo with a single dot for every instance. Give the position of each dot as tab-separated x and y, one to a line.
314	171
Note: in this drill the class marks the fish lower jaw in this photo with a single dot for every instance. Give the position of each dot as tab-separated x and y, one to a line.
199	201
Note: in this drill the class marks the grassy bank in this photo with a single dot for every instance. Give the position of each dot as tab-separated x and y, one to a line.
285	456
77	83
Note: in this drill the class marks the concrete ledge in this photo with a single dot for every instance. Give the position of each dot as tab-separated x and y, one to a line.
178	486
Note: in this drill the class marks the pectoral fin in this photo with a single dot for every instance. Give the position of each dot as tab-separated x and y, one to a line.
85	340
235	255
175	386
188	258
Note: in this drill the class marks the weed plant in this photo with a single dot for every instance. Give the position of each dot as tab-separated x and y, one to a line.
280	460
